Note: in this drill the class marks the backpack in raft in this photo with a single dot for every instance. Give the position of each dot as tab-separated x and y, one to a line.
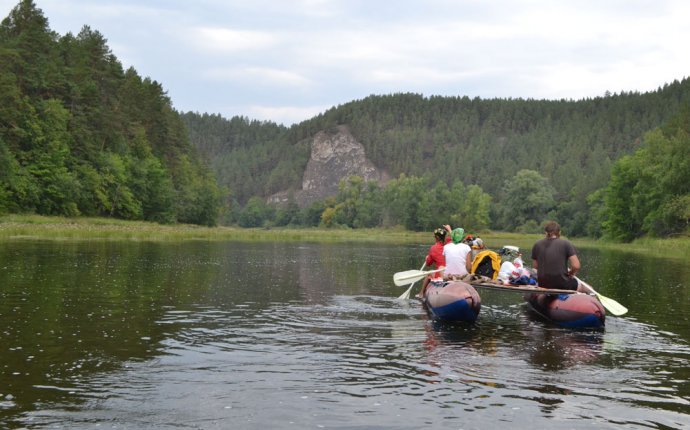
486	263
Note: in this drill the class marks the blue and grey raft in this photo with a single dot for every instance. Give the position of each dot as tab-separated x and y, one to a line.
459	301
564	308
452	301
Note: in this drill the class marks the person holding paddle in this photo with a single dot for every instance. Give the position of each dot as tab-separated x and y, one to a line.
435	256
555	260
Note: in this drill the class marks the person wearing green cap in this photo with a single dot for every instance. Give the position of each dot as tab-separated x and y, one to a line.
458	255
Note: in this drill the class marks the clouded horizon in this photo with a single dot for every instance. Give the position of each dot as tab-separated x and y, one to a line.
287	61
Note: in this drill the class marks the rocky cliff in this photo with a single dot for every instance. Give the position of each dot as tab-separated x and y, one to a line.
334	156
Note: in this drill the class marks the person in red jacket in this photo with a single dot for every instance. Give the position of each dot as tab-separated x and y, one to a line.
435	256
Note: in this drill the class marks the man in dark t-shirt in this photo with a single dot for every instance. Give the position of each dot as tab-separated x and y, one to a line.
555	260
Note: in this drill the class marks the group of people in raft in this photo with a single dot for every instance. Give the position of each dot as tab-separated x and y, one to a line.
554	260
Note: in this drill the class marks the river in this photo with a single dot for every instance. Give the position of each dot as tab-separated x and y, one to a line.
237	335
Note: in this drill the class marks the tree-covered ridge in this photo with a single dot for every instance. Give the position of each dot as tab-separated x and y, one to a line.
249	157
81	136
562	150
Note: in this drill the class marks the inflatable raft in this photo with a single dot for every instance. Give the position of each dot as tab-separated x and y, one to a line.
568	310
452	301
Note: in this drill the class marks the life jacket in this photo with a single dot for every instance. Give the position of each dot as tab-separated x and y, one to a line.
486	263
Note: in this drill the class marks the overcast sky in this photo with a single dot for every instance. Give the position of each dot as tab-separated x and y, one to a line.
288	60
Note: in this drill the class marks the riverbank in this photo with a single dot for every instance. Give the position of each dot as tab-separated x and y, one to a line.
34	227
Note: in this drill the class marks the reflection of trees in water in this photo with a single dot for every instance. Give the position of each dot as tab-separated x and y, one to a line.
326	270
650	285
317	272
70	310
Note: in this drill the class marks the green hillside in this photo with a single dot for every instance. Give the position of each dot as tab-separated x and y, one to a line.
566	149
81	136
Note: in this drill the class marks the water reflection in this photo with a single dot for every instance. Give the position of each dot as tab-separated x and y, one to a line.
552	349
546	348
205	334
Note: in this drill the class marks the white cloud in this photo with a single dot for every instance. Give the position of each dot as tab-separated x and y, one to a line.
258	75
224	40
285	114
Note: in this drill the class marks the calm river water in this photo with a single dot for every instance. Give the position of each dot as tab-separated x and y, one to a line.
223	335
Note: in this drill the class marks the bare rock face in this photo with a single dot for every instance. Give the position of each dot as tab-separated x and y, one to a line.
333	157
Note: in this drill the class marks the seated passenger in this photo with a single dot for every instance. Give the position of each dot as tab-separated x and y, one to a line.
458	256
435	257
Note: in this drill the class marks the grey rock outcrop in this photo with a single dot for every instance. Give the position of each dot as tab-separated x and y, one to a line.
334	156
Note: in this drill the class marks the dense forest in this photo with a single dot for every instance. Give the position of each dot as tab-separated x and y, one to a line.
81	136
505	164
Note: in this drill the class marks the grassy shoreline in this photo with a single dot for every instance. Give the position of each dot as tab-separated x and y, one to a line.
34	227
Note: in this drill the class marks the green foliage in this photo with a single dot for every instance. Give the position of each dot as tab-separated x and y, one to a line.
407	201
255	213
311	215
649	191
474	211
288	215
248	157
8	171
78	135
597	204
526	198
115	197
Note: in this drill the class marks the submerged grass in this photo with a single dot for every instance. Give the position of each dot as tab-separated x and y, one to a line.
35	227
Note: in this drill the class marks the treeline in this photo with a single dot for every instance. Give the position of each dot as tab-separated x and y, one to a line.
535	159
411	202
81	136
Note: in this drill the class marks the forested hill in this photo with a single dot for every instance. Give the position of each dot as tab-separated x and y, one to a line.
572	144
81	136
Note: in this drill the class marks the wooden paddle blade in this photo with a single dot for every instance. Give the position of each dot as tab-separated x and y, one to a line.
404	278
612	306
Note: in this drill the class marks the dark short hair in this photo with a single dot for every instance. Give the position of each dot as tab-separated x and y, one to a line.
552	227
440	233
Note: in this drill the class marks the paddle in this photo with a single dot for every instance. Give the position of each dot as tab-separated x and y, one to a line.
404	278
406	294
611	305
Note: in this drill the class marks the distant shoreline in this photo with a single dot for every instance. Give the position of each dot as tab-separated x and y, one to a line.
35	227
